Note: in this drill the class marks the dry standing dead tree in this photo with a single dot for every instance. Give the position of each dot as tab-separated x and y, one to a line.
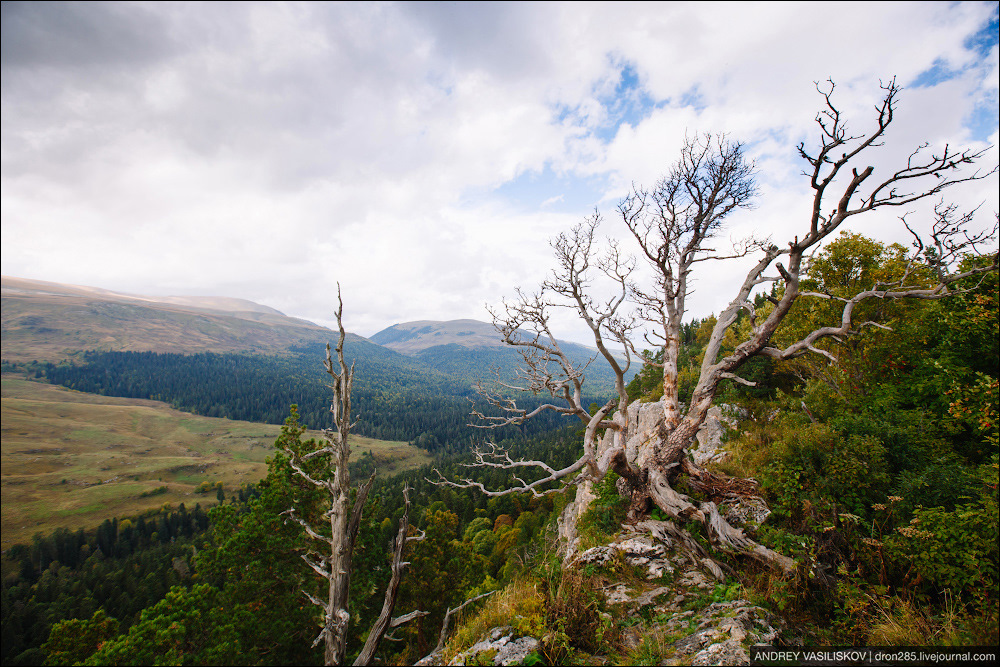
674	225
333	562
525	325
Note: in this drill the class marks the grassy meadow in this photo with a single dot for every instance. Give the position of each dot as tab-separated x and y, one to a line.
72	459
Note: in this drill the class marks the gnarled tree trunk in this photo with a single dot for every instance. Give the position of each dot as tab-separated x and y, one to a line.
674	226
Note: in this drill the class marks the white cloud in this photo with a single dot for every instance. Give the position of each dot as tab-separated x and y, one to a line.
266	151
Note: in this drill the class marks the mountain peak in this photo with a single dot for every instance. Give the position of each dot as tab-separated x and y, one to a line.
412	337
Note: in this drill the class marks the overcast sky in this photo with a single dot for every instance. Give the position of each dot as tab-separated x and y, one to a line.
424	154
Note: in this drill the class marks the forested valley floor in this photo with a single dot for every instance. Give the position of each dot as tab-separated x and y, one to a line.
880	470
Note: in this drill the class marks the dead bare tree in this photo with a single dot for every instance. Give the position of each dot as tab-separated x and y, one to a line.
334	561
674	225
525	325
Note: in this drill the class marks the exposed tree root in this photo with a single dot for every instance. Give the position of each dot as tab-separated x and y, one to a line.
721	534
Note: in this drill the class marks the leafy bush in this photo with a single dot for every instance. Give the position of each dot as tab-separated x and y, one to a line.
955	549
606	513
818	464
946	483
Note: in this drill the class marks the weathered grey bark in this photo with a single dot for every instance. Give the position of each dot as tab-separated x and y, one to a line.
673	225
385	621
334	562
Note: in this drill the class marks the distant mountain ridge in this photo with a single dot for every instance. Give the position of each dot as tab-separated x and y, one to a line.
459	346
412	337
27	286
50	321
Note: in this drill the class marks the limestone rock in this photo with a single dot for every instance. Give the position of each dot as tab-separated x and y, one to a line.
694	579
710	435
750	511
617	594
502	644
641	551
650	596
724	633
596	555
566	522
645	552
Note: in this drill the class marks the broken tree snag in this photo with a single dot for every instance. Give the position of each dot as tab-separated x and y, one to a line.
327	468
385	621
333	559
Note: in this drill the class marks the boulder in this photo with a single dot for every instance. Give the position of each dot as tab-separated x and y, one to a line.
748	511
501	646
725	631
643	551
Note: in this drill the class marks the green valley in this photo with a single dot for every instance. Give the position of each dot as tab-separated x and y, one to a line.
72	459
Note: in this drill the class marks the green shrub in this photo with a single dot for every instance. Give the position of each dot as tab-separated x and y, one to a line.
955	549
946	483
606	513
817	464
154	492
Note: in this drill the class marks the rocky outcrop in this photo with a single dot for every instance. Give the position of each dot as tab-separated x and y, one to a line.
501	647
692	628
667	606
724	632
659	583
641	551
566	522
709	439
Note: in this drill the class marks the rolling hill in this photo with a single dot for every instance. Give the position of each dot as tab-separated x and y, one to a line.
47	321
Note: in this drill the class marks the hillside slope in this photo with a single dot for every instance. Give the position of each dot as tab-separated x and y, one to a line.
49	322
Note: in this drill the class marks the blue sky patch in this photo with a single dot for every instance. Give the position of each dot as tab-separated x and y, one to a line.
549	191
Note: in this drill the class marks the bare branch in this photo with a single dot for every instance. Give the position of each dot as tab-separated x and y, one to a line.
385	620
447	619
523	487
737	379
402	620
